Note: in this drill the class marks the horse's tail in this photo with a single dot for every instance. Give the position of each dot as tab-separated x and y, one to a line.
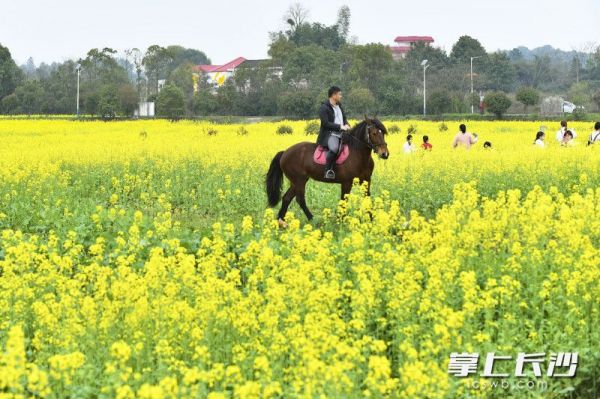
274	180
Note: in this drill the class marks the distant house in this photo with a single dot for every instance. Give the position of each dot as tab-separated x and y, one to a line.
405	43
217	75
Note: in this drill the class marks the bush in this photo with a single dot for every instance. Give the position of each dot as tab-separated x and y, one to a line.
211	131
497	103
528	96
394	129
242	131
579	114
312	127
443	127
285	129
170	102
412	129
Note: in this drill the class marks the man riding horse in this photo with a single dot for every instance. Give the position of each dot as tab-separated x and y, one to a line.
333	123
304	161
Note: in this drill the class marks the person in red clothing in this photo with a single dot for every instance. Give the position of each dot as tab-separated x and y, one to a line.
426	145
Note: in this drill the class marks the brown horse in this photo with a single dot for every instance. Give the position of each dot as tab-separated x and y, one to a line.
298	166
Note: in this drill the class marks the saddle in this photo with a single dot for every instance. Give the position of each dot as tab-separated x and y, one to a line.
321	152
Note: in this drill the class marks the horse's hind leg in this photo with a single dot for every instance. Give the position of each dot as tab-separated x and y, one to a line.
300	188
285	201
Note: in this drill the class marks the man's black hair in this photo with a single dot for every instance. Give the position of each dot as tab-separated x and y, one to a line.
425	139
332	90
409	137
596	125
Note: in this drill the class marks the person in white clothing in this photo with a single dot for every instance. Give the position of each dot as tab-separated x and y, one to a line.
567	140
560	135
539	139
595	135
408	146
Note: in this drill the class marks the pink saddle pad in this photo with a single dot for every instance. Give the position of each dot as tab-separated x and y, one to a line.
321	152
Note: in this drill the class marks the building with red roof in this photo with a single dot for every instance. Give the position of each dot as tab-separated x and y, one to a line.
218	74
405	43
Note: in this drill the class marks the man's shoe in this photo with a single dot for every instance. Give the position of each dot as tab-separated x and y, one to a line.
330	174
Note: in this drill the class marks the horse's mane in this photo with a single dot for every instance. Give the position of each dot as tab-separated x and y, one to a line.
358	133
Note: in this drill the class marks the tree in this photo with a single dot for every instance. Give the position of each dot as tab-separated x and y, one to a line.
182	78
170	102
421	51
182	55
128	99
497	103
157	61
108	102
204	103
368	64
499	72
136	57
29	97
100	68
465	48
528	96
10	74
90	102
343	21
596	99
439	102
295	15
60	89
360	102
9	104
297	103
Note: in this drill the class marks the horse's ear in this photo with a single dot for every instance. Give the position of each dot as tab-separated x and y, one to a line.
366	118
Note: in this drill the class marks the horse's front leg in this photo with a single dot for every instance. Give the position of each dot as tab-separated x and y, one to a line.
346	187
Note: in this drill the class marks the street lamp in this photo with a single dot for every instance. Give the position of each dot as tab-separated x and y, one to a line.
472	58
425	66
78	67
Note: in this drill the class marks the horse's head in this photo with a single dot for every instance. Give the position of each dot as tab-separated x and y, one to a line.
375	136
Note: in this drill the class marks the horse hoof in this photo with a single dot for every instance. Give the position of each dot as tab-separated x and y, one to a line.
282	223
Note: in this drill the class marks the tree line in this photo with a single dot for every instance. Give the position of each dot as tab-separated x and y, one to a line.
306	58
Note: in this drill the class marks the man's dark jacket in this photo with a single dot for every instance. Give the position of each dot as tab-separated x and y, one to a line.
327	116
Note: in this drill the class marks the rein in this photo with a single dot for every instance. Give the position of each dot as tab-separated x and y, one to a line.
367	143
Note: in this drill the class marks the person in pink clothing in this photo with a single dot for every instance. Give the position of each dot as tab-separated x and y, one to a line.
463	138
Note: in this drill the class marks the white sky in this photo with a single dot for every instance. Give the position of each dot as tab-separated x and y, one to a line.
62	29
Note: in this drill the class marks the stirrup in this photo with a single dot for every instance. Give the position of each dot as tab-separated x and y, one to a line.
330	174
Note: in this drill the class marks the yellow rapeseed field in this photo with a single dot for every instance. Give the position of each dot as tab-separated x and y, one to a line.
138	259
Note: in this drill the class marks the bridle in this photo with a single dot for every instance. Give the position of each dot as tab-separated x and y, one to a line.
368	142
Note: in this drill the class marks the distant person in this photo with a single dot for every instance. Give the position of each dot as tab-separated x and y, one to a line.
463	138
408	146
426	145
539	139
595	135
567	140
487	145
560	135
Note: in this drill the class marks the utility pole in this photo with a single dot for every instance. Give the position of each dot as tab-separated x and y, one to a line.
425	66
472	58
78	74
